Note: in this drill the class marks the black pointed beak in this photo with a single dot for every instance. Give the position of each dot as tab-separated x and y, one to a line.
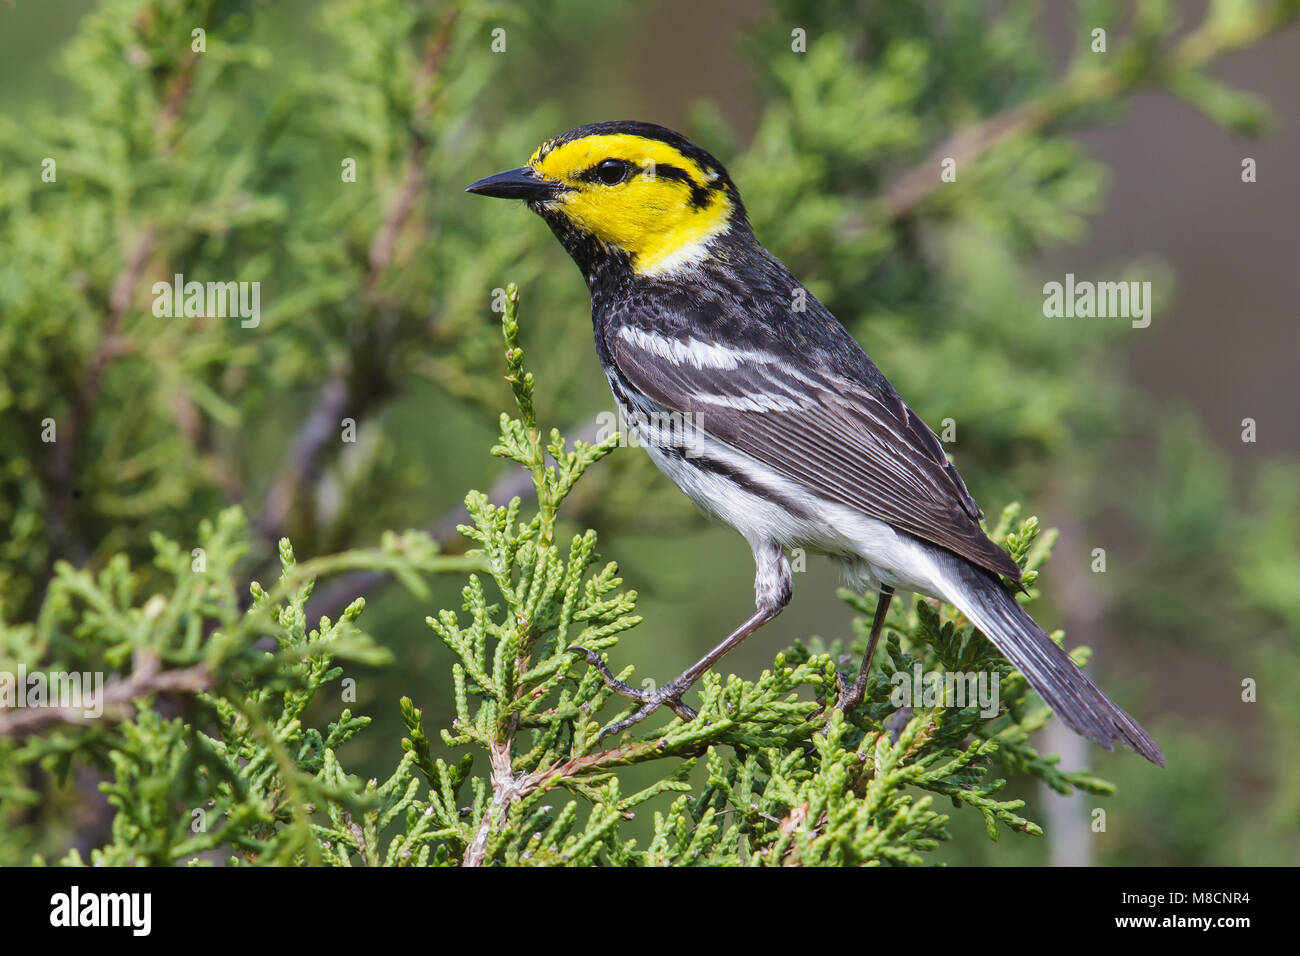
521	183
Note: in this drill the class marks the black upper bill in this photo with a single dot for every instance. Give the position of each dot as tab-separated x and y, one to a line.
521	183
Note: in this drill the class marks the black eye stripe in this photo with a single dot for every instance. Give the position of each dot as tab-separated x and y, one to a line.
699	194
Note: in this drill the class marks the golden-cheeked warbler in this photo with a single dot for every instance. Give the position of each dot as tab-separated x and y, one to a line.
757	403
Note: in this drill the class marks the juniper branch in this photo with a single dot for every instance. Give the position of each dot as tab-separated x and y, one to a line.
1083	87
147	677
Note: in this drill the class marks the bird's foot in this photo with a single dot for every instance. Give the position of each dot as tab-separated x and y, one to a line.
849	695
651	700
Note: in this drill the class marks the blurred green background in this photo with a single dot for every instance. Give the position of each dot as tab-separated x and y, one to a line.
1125	439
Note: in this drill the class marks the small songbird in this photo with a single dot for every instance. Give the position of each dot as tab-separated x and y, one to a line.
761	407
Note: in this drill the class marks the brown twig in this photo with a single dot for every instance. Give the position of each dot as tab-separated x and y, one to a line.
353	390
178	92
59	467
146	677
1192	52
302	462
903	195
506	789
330	601
62	455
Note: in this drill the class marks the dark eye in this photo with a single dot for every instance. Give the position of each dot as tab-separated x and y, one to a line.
611	172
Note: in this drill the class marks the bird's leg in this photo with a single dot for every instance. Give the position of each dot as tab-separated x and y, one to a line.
852	696
670	694
773	588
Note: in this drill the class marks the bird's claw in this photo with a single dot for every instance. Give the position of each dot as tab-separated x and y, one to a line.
849	696
670	694
612	682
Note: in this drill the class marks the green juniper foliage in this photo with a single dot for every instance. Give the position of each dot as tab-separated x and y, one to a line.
151	467
238	775
233	767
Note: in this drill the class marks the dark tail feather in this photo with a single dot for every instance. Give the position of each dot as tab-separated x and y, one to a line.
1066	689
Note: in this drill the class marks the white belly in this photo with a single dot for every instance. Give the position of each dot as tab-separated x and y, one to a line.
871	552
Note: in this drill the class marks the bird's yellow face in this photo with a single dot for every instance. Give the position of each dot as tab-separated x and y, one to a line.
641	195
656	201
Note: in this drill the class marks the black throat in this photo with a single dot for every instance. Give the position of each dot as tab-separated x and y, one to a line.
601	265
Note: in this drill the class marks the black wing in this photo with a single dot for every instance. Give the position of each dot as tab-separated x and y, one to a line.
837	427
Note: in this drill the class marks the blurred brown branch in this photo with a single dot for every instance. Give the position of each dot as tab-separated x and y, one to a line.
1084	87
355	387
147	677
331	600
